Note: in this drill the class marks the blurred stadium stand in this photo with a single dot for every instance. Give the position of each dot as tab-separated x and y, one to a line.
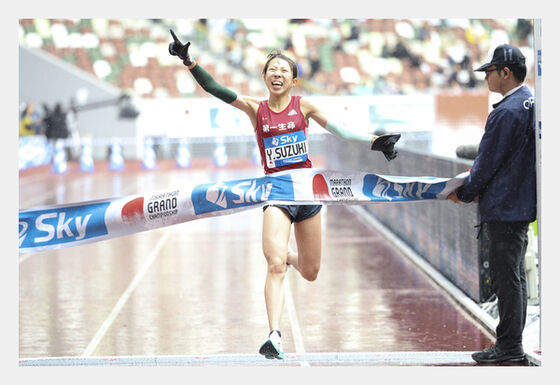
335	57
346	57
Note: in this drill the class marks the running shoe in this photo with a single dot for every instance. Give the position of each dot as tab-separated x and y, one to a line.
272	348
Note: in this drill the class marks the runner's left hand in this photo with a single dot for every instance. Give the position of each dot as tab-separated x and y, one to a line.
386	144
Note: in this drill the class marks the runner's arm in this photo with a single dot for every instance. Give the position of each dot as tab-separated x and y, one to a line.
384	143
209	84
310	111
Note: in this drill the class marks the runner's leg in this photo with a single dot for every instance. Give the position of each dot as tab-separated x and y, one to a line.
275	237
308	238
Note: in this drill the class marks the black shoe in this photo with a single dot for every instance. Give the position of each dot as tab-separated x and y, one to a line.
496	354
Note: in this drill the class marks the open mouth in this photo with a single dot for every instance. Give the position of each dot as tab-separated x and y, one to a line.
277	84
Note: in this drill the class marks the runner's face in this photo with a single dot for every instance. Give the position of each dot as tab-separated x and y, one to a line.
278	77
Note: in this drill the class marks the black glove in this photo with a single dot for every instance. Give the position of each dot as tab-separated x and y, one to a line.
179	49
386	144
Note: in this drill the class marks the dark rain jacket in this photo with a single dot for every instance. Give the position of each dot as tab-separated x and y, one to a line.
503	175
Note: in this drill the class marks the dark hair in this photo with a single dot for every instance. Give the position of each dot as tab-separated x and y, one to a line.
519	70
277	54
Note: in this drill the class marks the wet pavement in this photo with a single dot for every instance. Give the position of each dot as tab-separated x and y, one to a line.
196	289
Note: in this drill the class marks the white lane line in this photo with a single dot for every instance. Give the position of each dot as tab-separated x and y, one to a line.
124	297
422	358
292	315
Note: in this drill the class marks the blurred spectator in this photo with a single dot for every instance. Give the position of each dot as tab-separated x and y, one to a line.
314	63
29	122
56	125
47	121
524	30
59	126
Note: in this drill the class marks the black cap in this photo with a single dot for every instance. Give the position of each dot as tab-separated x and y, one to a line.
504	54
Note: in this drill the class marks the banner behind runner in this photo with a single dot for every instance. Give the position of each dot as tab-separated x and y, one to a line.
60	226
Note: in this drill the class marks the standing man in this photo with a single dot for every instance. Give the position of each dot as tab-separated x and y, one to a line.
503	180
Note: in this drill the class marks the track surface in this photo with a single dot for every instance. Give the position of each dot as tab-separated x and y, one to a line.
192	294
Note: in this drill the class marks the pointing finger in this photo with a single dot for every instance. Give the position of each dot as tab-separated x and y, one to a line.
174	37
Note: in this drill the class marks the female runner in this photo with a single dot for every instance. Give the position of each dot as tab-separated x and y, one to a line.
281	114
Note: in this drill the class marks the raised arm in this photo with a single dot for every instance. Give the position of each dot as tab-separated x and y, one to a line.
209	84
383	143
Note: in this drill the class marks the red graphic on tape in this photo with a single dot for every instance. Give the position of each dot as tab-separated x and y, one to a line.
320	187
133	211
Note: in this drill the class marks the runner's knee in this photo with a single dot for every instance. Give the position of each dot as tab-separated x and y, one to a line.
310	271
276	264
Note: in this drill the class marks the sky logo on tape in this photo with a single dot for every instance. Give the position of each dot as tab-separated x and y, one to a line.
239	193
379	189
62	225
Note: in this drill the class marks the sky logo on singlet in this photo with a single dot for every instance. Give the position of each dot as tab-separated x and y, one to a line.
239	193
406	189
281	150
62	225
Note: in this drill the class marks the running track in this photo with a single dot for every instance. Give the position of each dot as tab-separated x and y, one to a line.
192	294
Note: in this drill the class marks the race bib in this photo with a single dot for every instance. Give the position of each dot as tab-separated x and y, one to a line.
286	149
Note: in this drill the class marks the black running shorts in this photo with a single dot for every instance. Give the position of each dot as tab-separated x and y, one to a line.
298	213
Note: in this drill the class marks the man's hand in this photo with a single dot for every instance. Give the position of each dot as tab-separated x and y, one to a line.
386	144
179	49
453	197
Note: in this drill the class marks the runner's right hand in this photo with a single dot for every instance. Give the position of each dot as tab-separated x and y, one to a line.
179	49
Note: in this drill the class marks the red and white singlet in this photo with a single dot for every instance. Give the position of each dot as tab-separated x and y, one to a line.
282	137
